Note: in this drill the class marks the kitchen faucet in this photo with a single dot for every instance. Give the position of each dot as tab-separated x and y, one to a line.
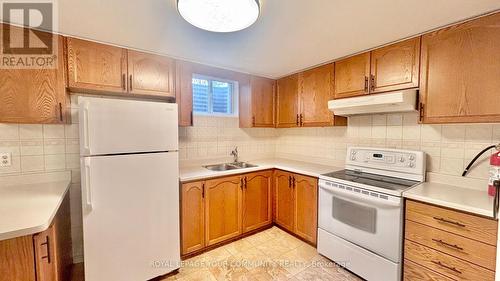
234	153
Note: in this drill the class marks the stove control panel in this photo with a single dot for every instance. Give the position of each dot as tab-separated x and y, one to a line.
406	161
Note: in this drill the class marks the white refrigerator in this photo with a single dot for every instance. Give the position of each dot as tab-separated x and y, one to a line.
130	188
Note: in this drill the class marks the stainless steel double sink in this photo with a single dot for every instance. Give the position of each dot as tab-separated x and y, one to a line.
229	166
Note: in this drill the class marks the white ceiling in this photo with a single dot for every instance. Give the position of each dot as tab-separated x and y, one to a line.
290	35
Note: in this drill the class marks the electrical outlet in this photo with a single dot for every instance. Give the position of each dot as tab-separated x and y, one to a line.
5	159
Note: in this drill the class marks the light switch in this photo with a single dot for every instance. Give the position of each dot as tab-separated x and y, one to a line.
5	159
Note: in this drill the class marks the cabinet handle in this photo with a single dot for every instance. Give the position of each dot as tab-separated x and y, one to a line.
191	118
202	190
241	183
454	246
372	83
297	120
60	112
46	244
246	181
366	84
443	220
124	83
289	181
421	111
253	120
130	82
301	120
454	269
293	182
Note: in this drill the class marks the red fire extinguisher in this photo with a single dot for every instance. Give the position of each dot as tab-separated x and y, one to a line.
494	167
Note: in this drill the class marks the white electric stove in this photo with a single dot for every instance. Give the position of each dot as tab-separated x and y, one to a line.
361	210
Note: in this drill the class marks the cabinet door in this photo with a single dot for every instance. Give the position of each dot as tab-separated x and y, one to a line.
184	92
459	73
395	67
351	76
306	207
262	101
287	102
315	90
96	67
150	74
193	217
222	209
45	258
257	200
34	95
284	197
17	259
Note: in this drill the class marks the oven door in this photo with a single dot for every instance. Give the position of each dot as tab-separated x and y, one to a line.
368	219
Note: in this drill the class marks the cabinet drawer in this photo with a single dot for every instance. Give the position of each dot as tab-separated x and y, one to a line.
455	245
470	226
415	272
445	264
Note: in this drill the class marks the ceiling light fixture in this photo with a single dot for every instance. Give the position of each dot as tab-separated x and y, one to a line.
219	15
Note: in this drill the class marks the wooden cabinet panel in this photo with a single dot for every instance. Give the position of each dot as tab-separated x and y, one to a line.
415	272
470	250
222	209
306	207
262	101
351	76
96	67
287	102
395	67
257	200
17	259
46	268
150	74
446	265
459	72
184	92
284	196
192	217
315	90
34	95
470	226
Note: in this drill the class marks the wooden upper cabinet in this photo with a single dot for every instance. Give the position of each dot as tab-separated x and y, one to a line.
257	200
460	70
192	217
96	67
351	76
315	90
287	111
284	200
306	207
150	74
262	102
184	92
222	209
395	67
34	95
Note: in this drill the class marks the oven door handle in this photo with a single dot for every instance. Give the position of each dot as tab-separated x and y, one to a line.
365	199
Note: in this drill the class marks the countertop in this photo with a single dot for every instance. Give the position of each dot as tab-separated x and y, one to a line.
463	199
191	173
28	203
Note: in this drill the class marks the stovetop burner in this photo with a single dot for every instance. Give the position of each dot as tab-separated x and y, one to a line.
385	182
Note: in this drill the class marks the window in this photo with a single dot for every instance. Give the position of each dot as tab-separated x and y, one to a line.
213	96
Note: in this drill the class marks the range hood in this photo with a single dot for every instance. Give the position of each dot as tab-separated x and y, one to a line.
400	101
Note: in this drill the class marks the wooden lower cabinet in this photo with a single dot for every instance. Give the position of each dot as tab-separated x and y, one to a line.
44	256
257	210
217	210
193	216
443	244
296	209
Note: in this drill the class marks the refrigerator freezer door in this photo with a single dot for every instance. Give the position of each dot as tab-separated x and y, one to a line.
130	216
115	126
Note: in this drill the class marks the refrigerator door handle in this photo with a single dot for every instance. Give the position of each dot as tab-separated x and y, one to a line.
87	188
86	137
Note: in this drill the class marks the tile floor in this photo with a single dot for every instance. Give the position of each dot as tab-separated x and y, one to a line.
269	255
